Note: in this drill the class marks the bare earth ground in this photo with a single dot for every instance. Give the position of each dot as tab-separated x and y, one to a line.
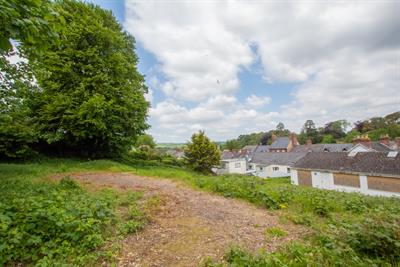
190	225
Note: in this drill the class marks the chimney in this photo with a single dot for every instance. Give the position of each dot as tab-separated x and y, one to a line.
273	137
293	139
363	139
309	142
384	140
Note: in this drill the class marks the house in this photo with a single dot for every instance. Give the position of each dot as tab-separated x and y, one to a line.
279	144
262	149
323	147
371	173
273	164
234	162
250	148
360	144
364	144
283	144
176	153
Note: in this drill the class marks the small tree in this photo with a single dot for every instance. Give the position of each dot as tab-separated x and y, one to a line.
201	154
145	140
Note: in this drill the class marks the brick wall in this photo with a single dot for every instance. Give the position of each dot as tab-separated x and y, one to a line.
384	184
346	179
304	178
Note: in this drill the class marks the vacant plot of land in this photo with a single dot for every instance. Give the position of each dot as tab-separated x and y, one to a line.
190	225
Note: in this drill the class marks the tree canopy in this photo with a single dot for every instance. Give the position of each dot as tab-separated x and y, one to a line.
82	94
92	99
202	154
145	140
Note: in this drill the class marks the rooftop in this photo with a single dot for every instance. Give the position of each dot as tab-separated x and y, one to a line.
280	143
323	148
276	158
375	163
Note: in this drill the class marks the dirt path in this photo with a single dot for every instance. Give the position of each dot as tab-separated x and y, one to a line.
191	225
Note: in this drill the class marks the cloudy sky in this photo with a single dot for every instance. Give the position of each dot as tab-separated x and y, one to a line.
233	67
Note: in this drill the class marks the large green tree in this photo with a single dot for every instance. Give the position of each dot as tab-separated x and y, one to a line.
309	131
24	24
201	154
91	101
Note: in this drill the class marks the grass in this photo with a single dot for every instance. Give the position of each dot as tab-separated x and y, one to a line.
347	229
275	232
44	222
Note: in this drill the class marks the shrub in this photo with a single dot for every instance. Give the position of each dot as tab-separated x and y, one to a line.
201	154
376	236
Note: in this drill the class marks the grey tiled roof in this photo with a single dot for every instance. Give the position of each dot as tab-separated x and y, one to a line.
280	143
263	148
373	163
250	148
276	158
233	154
323	148
380	147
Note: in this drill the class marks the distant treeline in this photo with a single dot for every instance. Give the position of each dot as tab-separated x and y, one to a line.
331	132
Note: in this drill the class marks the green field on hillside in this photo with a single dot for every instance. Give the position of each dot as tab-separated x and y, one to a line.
43	221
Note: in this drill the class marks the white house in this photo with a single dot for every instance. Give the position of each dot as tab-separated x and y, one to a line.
235	165
371	173
273	164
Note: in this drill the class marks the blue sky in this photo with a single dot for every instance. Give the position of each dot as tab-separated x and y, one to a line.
237	67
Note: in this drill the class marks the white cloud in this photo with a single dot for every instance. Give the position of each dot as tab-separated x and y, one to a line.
257	101
343	57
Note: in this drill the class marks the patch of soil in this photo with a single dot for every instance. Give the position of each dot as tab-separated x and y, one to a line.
190	225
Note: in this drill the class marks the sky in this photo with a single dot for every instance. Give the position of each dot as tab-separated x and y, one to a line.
236	67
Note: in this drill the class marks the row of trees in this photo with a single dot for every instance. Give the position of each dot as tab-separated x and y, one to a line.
332	132
77	90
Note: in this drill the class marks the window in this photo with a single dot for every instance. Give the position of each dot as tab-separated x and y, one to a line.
261	168
237	165
275	168
288	170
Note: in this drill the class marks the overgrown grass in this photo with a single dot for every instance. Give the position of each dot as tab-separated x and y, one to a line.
48	223
347	229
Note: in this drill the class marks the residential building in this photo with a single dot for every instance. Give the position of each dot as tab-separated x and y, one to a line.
234	162
371	173
273	164
283	144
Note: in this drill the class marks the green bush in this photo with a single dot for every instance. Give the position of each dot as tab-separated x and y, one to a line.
376	236
49	221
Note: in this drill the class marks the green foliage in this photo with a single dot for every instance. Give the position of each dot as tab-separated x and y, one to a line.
309	131
201	154
376	236
30	23
57	224
244	140
232	145
275	232
328	139
338	220
45	222
336	128
350	136
374	127
25	21
16	133
91	102
145	140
